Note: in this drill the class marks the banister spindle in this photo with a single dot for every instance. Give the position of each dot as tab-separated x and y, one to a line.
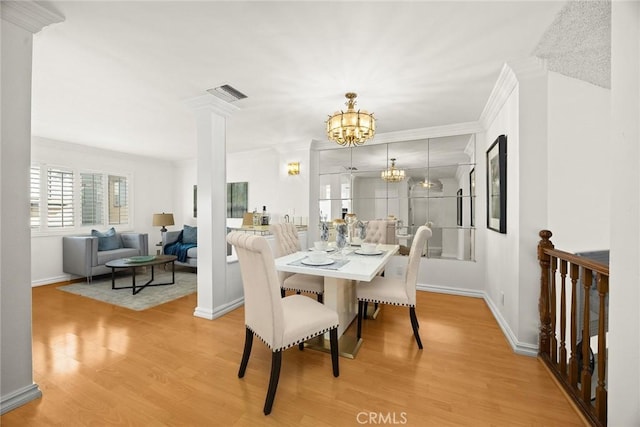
574	272
552	311
563	317
585	378
543	302
601	391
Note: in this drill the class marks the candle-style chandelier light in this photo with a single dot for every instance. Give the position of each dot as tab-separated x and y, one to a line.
351	127
393	174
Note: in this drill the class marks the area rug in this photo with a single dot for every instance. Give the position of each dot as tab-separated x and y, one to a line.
151	296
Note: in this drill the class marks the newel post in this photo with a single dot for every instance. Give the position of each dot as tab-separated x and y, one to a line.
543	303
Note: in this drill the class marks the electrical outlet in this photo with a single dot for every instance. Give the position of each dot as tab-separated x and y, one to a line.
502	297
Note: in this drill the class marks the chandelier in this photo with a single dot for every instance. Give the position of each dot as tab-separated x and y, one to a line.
392	174
351	127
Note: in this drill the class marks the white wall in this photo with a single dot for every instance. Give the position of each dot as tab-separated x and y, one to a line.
186	176
501	250
579	165
624	337
269	184
152	192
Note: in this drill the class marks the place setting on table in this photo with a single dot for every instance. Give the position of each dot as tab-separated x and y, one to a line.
325	255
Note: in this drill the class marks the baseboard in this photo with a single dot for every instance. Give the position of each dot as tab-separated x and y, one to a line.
518	347
525	349
51	280
19	398
218	311
451	291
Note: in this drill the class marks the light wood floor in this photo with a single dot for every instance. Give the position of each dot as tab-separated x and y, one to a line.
100	365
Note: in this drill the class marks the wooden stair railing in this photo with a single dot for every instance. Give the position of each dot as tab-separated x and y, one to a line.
552	349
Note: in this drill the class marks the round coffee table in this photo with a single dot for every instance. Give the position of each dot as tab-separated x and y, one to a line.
132	263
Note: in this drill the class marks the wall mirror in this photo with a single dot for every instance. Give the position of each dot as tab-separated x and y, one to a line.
435	189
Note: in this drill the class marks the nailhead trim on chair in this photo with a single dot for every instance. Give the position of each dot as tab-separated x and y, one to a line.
292	344
301	290
378	301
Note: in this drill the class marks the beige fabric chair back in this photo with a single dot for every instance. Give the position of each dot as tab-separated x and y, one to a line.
415	254
377	231
286	235
262	301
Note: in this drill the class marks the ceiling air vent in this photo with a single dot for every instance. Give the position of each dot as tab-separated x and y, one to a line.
227	93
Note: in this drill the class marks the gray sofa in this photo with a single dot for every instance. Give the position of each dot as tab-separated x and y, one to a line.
192	253
81	257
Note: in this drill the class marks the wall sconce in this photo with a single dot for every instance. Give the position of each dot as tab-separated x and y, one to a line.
293	168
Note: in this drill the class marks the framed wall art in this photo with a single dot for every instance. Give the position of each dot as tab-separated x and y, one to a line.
497	185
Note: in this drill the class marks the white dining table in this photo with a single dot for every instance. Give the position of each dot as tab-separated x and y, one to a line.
339	286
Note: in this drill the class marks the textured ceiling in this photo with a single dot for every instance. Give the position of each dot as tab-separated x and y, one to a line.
116	75
578	43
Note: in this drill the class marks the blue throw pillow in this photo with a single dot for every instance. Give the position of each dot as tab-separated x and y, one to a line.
108	240
190	234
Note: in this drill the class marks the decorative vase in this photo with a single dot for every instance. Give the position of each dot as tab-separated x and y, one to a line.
341	233
351	221
324	231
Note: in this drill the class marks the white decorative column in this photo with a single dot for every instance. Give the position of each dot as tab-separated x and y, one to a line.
623	341
211	114
20	20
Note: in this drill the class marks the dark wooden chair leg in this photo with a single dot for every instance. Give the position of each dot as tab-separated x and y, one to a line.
414	325
276	362
361	305
365	308
282	293
248	342
333	338
321	298
301	346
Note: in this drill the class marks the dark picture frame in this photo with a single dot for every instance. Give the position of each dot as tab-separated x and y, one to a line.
472	197
195	201
497	185
459	209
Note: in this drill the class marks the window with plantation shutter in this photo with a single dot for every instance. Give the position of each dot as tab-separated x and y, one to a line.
118	200
59	198
65	200
92	197
35	197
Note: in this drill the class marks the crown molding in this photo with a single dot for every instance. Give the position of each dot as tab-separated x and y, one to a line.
511	74
28	15
529	67
430	132
410	135
211	103
505	84
293	146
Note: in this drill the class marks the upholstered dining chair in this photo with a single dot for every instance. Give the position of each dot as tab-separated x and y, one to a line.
279	322
377	231
386	290
287	242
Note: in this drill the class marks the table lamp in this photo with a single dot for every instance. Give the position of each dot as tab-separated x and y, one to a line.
162	220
